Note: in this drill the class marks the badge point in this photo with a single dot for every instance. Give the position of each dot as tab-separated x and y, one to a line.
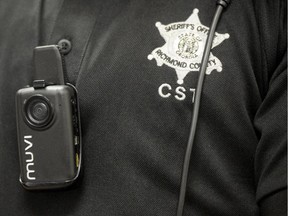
219	69
226	36
196	11
158	24
150	57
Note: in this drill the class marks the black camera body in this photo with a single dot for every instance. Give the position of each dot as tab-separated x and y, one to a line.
48	126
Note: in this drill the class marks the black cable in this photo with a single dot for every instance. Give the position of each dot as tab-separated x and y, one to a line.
221	4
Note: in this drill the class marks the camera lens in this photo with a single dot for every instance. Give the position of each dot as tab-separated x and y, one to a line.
38	111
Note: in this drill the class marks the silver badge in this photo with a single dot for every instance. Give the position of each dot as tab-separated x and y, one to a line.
184	47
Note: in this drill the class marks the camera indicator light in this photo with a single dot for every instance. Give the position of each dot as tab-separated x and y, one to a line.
76	140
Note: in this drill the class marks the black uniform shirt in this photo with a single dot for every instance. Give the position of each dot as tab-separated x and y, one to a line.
136	105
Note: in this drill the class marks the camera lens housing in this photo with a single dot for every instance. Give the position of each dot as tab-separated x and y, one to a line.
38	111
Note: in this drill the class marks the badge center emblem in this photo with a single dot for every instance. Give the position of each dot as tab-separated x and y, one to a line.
188	46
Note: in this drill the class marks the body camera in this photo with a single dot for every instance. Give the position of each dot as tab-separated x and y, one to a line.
48	136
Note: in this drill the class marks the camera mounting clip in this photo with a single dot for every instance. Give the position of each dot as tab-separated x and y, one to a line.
48	67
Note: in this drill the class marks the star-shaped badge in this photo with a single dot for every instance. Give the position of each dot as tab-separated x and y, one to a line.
184	47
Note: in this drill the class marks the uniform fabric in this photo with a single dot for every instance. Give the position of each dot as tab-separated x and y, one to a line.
134	139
